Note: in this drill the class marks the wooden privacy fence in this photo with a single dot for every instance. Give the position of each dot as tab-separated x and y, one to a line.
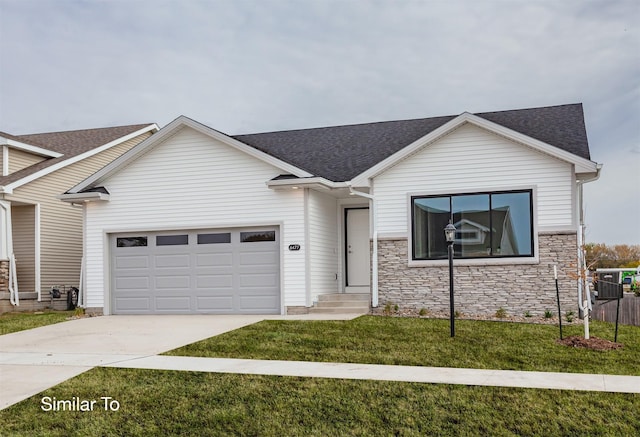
605	310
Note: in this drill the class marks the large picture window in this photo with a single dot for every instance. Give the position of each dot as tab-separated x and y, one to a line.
495	224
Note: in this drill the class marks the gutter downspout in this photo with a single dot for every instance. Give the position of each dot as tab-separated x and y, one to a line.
374	255
583	286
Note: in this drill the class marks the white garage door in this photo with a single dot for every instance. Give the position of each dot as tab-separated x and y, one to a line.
229	271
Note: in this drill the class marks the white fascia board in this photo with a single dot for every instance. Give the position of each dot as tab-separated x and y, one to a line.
80	157
170	130
582	165
40	151
312	182
90	196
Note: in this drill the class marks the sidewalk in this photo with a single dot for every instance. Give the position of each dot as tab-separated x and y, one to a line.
32	361
432	375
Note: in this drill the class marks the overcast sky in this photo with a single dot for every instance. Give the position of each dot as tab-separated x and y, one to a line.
246	66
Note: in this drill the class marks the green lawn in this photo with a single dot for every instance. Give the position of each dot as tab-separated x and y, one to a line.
201	404
155	402
19	321
426	342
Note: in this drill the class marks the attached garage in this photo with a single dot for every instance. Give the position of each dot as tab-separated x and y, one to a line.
214	271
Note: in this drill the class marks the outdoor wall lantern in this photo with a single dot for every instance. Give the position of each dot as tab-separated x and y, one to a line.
450	236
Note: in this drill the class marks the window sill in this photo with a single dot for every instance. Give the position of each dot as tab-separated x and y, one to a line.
476	262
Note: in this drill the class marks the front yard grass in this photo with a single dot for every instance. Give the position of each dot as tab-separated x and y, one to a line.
156	402
20	321
426	342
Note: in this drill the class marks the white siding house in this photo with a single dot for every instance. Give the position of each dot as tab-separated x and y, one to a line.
171	189
349	209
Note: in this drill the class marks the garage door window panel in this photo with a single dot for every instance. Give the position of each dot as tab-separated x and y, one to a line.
172	240
131	242
221	238
257	236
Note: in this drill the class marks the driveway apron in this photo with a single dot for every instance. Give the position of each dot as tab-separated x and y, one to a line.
37	359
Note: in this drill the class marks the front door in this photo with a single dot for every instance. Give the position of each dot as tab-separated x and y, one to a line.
358	258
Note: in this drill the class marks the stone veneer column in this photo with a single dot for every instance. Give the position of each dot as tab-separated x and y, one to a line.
4	276
482	290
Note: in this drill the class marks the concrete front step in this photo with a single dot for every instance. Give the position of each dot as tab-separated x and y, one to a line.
345	303
342	303
344	296
338	310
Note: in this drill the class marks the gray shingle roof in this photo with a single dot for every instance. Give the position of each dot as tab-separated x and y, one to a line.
69	143
342	152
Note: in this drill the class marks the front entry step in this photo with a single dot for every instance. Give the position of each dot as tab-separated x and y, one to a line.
342	303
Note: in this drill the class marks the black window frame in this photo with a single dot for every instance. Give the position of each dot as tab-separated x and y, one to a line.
457	254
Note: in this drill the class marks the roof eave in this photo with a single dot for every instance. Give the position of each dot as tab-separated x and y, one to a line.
91	196
40	151
318	183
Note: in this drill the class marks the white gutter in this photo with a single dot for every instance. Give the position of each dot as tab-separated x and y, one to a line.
374	255
79	198
81	299
311	182
584	304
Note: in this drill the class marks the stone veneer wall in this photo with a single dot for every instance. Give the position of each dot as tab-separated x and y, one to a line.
482	290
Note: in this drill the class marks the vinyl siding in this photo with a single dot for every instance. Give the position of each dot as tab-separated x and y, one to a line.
60	223
23	225
19	159
323	243
471	159
193	181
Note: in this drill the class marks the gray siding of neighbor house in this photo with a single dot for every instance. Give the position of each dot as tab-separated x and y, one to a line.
482	289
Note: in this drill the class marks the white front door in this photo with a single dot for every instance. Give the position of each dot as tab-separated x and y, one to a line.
358	258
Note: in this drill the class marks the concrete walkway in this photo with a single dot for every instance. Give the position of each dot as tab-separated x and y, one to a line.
32	361
434	375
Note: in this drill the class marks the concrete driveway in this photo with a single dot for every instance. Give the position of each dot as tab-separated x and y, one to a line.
34	360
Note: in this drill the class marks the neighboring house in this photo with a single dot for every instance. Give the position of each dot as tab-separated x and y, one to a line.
196	221
40	234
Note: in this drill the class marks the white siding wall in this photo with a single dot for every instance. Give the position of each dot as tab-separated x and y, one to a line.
323	242
472	159
192	181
